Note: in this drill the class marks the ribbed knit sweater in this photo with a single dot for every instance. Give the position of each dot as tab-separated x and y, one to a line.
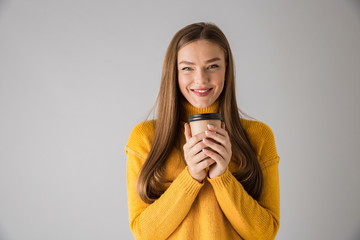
218	208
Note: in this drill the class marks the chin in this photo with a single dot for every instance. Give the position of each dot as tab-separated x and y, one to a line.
202	105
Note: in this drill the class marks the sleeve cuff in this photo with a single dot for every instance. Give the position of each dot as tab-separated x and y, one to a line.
221	181
191	186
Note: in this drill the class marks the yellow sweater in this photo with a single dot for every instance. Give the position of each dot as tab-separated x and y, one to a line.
218	208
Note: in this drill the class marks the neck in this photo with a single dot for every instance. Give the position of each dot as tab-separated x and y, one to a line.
187	109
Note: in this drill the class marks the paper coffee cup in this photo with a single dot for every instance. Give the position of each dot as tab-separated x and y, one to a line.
199	122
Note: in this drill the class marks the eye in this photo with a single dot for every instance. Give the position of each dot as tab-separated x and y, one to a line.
186	68
213	66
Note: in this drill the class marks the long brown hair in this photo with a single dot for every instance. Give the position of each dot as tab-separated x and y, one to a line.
248	173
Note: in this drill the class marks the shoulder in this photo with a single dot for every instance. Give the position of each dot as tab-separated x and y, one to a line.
256	128
141	137
261	138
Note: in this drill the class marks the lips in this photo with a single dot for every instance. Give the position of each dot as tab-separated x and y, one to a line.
201	92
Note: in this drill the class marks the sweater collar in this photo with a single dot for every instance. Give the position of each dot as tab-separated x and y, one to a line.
187	109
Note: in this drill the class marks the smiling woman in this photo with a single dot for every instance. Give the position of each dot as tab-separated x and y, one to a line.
201	67
218	184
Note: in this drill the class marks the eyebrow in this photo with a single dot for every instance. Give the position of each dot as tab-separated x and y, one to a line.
208	61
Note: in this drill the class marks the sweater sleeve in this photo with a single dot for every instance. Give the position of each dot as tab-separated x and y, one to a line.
159	219
250	218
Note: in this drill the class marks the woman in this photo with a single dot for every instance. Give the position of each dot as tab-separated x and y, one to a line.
219	184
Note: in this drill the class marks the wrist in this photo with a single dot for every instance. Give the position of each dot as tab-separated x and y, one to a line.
198	179
218	174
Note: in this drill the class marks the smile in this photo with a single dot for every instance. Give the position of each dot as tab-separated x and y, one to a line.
201	92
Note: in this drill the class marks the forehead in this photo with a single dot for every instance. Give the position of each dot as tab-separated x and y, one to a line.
200	50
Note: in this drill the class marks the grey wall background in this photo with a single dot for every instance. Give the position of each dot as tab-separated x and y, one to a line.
76	76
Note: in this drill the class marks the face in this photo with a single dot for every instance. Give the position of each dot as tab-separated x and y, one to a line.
201	72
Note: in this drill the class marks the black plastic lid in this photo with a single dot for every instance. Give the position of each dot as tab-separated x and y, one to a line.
205	116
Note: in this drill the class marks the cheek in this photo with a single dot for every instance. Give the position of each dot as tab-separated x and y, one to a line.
183	81
220	80
221	88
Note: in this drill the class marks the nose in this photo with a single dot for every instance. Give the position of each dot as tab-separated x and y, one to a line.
201	77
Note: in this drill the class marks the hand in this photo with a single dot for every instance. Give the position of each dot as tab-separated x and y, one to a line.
219	149
195	157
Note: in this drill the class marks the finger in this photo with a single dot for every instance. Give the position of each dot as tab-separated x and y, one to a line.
220	149
194	145
195	160
187	132
223	140
196	149
213	155
205	163
195	139
201	156
217	129
222	125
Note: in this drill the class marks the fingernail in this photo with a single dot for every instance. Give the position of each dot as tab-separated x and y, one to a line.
207	132
210	126
204	140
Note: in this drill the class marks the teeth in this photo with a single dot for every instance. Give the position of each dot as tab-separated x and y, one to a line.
201	91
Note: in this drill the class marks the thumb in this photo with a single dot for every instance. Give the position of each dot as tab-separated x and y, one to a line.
187	131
